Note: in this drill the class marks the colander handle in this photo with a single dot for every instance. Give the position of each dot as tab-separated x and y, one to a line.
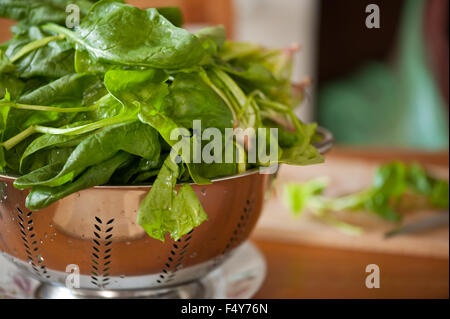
327	141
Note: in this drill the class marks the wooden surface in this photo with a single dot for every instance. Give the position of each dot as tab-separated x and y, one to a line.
310	271
299	271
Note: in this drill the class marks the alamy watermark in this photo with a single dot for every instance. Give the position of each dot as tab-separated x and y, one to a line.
373	279
73	17
373	19
73	277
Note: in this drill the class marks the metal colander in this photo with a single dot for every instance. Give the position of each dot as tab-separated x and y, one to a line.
94	232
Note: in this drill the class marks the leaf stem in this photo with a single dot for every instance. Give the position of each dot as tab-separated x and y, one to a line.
49	108
13	141
35	45
208	82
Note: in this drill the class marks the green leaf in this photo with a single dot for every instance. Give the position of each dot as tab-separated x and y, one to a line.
6	66
390	179
164	210
67	91
42	196
121	34
50	59
191	99
212	38
97	148
173	14
148	90
297	196
47	141
37	12
14	86
439	196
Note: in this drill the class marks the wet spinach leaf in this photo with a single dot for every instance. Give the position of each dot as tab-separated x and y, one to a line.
121	34
166	210
42	196
99	147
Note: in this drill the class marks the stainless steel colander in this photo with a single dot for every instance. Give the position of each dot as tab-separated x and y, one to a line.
94	232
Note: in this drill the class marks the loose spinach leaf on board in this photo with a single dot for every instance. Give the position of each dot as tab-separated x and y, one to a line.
166	210
42	196
121	34
391	182
99	147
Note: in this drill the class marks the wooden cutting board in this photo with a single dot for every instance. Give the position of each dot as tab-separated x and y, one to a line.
346	176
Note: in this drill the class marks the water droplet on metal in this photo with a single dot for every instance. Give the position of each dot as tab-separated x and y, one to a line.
128	243
193	255
40	259
203	192
45	235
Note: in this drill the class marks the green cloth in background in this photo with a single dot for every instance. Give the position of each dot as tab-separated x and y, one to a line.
384	105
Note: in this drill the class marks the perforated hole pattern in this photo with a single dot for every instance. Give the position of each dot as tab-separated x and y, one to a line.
101	255
101	252
30	243
175	260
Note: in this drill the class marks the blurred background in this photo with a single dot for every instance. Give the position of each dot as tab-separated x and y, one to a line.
381	87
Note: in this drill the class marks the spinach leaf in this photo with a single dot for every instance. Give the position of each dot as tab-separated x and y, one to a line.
4	111
47	141
108	107
85	64
6	66
129	174
192	99
173	14
37	54
99	147
118	33
68	91
42	196
299	156
36	12
149	90
391	182
212	38
47	157
14	86
164	210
